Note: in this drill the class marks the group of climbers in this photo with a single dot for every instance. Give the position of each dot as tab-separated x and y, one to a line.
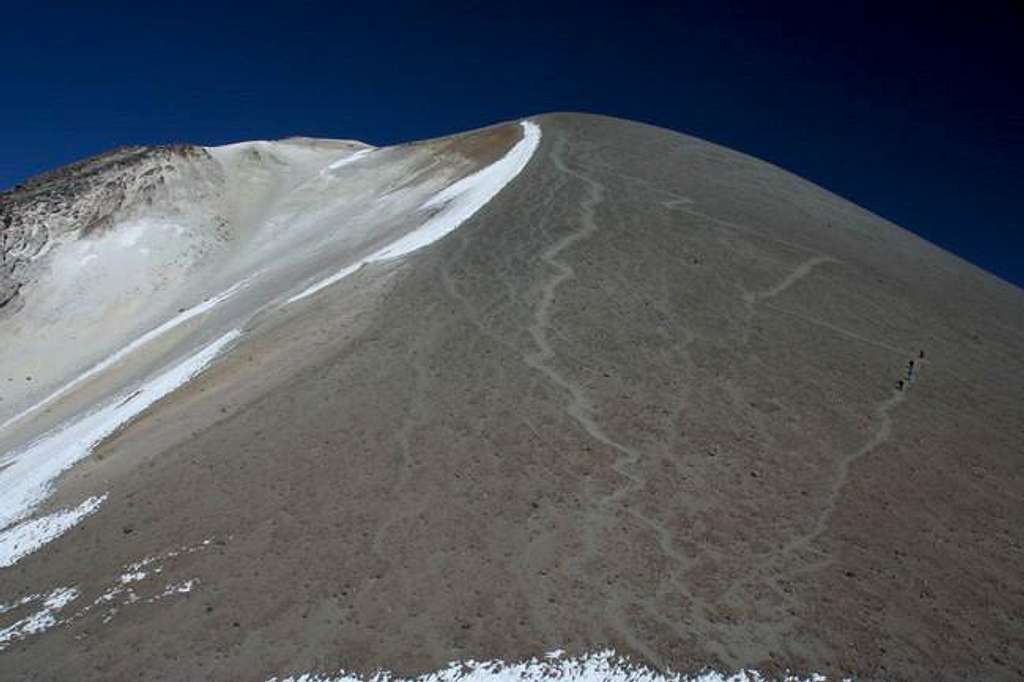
911	373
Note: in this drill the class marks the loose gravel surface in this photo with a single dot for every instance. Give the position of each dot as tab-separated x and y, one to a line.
646	398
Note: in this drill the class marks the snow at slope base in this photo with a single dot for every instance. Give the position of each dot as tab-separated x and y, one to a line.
603	666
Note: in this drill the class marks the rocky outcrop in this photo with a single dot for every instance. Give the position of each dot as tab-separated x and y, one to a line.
87	198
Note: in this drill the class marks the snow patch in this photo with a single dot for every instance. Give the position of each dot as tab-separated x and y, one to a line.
122	591
25	538
459	201
328	281
452	206
603	666
131	577
177	588
28	478
27	599
351	158
40	621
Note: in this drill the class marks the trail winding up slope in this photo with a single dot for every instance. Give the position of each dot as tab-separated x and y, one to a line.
569	384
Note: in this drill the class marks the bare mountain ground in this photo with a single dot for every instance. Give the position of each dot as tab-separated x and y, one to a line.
644	398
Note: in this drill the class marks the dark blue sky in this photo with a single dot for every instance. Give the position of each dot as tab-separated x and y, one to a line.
914	114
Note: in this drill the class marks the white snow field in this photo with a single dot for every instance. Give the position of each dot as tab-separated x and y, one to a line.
601	666
119	320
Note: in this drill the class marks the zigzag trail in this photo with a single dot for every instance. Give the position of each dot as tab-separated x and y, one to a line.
580	407
771	560
882	413
839	330
405	461
842	475
685	205
792	278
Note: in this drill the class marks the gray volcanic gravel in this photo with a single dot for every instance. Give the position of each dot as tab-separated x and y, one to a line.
645	398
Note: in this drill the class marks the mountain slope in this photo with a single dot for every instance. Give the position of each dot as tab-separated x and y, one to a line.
641	392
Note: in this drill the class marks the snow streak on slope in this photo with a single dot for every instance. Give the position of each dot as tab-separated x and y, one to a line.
123	353
29	536
603	666
40	621
28	475
458	202
351	158
454	205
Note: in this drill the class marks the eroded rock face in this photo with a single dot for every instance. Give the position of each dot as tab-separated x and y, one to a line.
88	198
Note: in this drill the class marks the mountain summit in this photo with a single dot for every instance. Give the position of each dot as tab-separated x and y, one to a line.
531	395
